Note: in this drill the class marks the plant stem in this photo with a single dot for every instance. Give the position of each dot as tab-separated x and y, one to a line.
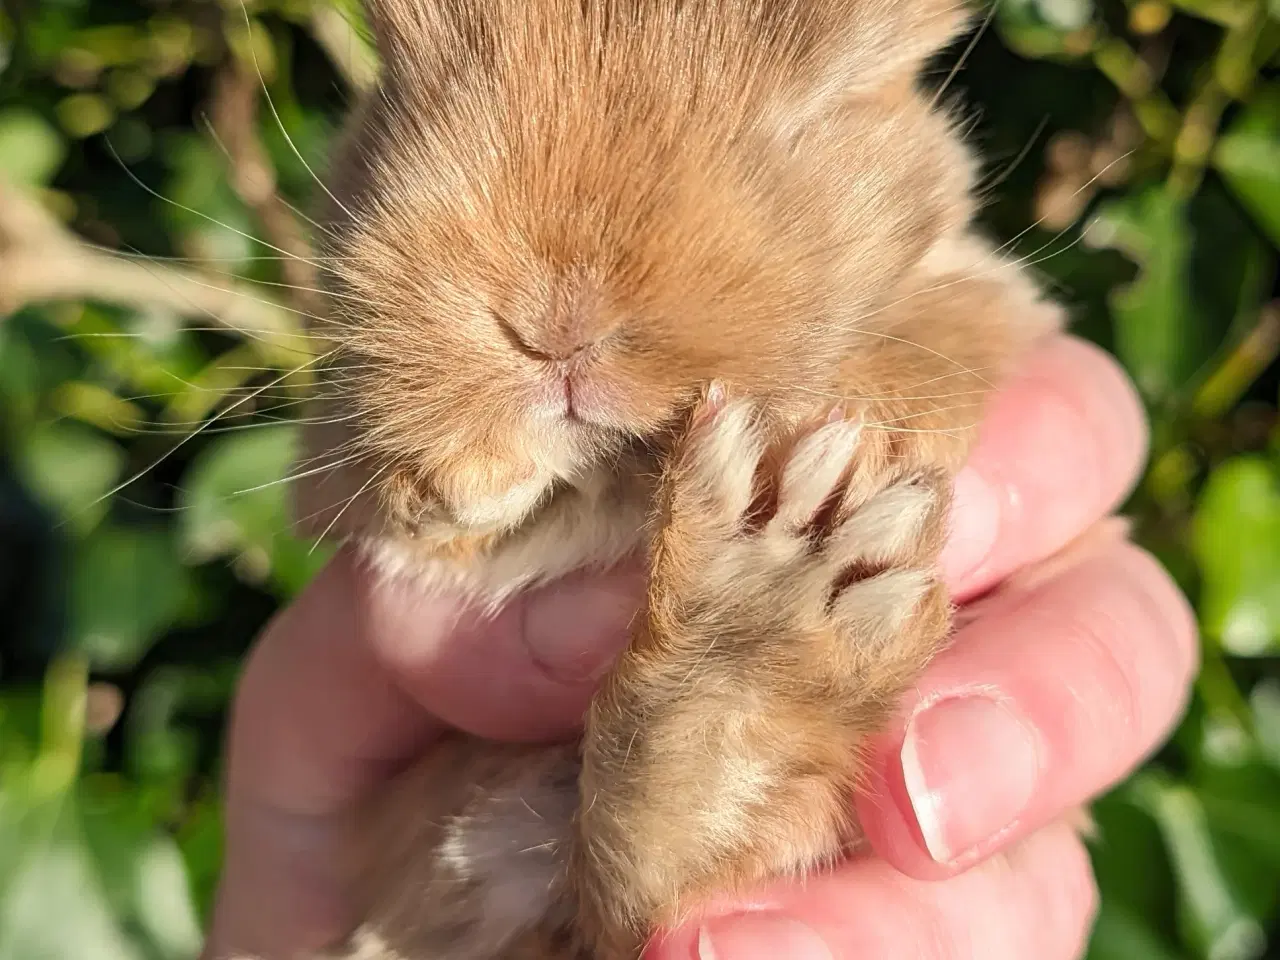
62	725
1241	367
1226	13
1231	77
42	261
1120	64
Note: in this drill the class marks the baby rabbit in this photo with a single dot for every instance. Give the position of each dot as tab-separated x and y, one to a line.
693	280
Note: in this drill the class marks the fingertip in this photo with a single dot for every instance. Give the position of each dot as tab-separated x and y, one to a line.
1061	446
525	672
315	717
892	834
1108	675
1062	886
1109	399
575	629
1171	614
1072	360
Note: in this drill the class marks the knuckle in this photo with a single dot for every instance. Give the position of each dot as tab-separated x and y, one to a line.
1134	642
1110	712
1171	612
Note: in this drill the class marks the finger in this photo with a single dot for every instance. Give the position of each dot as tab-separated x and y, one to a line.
1053	695
1037	900
525	674
349	683
317	722
1060	446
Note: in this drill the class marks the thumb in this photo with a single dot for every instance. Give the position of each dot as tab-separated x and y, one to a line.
524	673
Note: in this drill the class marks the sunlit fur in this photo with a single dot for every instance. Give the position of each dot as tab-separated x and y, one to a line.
701	190
673	192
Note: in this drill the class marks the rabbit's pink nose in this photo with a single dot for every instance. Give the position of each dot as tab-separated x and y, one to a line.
566	353
573	324
568	346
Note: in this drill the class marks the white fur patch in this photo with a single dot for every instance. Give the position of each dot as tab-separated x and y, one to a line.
514	846
568	536
814	470
886	527
877	608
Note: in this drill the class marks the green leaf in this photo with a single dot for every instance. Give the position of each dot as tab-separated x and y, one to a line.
89	875
208	214
1264	701
19	376
1253	821
1120	935
1248	156
70	469
80	867
164	907
1046	28
1238	792
148	350
1236	539
1065	15
19	727
1129	860
233	498
1218	906
161	751
235	501
52	902
296	562
85	114
1155	320
127	588
1227	13
96	405
202	842
31	149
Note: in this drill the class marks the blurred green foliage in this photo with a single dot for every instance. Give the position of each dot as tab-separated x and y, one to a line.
1134	159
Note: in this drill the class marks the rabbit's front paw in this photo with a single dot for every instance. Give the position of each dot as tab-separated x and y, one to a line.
793	597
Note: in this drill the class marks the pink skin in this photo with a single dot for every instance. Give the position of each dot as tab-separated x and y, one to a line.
567	391
1053	690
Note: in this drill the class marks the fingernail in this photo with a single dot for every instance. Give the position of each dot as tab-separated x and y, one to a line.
574	631
975	524
970	766
760	936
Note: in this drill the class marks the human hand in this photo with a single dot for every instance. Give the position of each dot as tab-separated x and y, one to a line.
1055	688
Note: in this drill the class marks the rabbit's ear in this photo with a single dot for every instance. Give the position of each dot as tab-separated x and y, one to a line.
852	48
880	41
840	50
860	45
429	38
